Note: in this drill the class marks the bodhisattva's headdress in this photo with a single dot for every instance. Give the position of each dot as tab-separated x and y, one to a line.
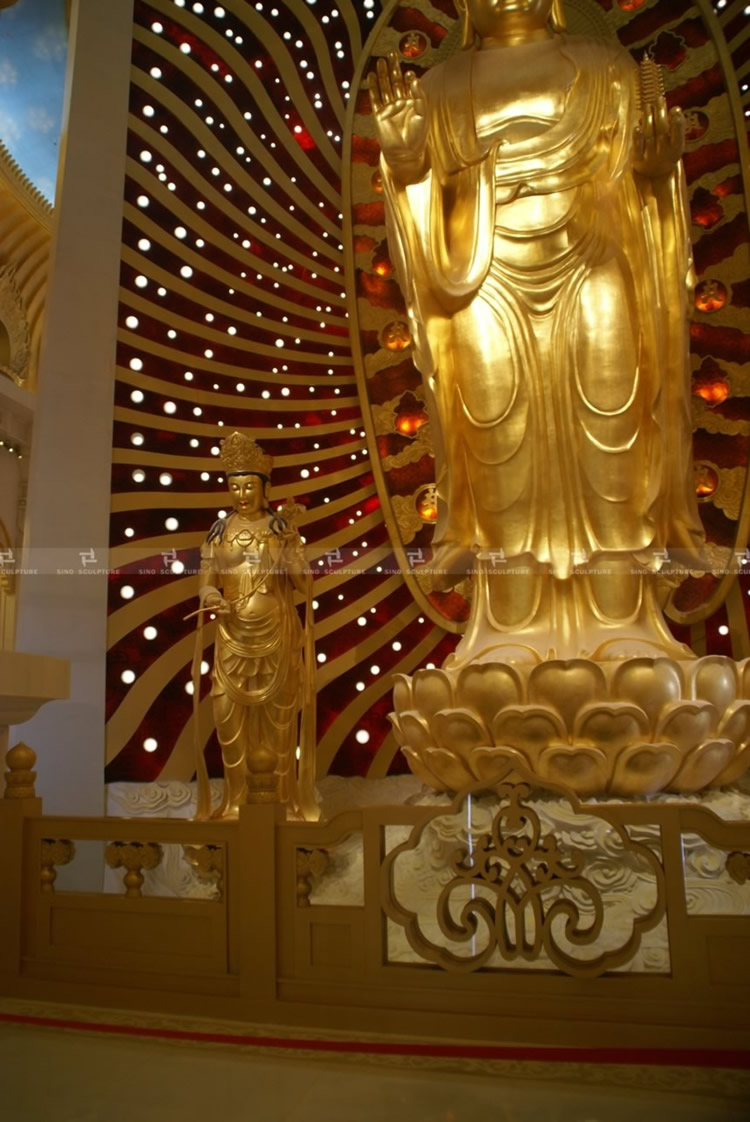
240	455
468	35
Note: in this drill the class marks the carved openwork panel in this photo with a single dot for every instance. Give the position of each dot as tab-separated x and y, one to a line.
525	882
717	880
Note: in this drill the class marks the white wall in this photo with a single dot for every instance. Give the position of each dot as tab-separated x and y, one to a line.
69	472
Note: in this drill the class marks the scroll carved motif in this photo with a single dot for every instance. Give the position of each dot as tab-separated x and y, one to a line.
519	893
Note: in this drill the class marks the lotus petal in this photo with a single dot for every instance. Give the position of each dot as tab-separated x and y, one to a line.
526	727
402	693
419	768
566	686
703	765
687	724
495	764
734	769
583	770
644	769
415	731
714	679
451	773
611	726
432	690
459	731
649	683
735	724
487	688
743	676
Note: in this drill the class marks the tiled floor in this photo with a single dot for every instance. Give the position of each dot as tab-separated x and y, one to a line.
48	1075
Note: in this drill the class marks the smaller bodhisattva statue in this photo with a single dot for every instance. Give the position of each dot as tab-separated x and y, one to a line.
263	675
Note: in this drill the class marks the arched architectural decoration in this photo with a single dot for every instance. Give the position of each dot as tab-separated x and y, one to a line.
7	592
26	225
15	336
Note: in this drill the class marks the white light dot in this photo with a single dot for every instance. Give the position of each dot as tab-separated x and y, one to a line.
127	592
185	48
321	657
180	232
360	686
148	110
186	271
129	532
137	438
362	736
169	407
141	281
157	28
723	630
131	322
138	475
189	688
150	632
177	567
128	677
171	524
150	745
396	646
155	72
165	479
142	200
362	621
374	669
136	364
205	667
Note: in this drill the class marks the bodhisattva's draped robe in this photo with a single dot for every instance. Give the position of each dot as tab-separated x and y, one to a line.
547	287
263	670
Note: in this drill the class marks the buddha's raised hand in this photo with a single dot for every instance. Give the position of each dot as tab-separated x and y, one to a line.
659	139
401	122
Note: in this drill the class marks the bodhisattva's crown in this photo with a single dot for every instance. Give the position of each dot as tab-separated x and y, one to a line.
240	453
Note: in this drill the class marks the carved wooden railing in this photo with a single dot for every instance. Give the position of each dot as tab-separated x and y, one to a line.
513	916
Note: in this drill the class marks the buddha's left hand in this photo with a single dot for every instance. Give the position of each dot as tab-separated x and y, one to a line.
658	140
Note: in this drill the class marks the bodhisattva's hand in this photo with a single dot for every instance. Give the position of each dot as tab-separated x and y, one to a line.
401	118
218	605
658	140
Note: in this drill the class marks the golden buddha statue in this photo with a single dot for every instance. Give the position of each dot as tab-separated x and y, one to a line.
537	218
251	563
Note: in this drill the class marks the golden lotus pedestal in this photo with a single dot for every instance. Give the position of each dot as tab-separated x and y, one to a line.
630	727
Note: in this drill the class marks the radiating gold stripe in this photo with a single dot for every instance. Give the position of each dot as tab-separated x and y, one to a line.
211	303
181	763
145	691
331	741
189	392
168	499
247	77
